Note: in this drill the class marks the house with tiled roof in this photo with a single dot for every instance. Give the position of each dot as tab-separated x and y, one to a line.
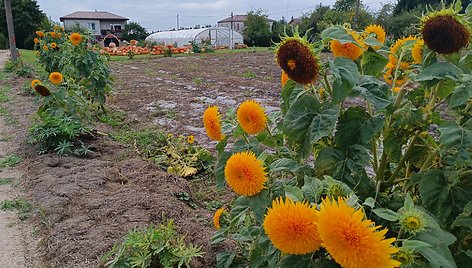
236	22
100	23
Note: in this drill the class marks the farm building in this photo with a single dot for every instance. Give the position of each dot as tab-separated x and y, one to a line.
216	36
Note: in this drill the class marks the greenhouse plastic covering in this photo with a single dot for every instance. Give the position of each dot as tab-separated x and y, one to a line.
218	36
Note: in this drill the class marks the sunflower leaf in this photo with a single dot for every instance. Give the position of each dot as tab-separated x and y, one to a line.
439	71
386	214
346	75
337	33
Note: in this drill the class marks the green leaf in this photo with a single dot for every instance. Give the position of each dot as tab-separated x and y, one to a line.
462	92
438	254
356	126
408	205
373	63
257	203
415	245
439	71
454	135
225	259
312	189
446	87
373	42
307	261
325	163
370	202
323	123
293	193
441	196
220	170
465	218
290	89
346	75
337	33
264	254
386	214
284	164
300	116
375	91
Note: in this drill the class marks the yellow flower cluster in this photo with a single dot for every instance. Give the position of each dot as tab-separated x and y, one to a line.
298	228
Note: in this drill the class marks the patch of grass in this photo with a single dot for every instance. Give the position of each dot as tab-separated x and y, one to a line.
9	161
6	181
9	119
113	118
248	74
4	90
198	81
22	207
5	139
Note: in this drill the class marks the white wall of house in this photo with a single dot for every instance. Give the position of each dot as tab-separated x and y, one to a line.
91	25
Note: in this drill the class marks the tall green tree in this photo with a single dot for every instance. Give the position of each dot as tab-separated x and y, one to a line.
134	30
257	31
344	5
408	5
27	18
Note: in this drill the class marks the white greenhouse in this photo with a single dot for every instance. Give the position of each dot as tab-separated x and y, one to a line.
216	36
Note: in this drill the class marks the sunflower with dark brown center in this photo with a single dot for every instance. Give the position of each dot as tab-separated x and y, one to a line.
297	57
446	31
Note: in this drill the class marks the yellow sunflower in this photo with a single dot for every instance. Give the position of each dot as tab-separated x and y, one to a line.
283	78
36	40
291	227
191	139
45	48
413	220
245	173
40	33
446	31
397	47
52	34
35	82
298	59
53	45
251	117
211	121
417	52
55	78
75	38
351	240
378	31
216	218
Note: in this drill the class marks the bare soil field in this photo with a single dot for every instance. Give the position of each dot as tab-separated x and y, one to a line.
84	205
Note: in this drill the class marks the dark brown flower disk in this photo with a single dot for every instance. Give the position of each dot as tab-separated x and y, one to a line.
42	90
306	65
445	35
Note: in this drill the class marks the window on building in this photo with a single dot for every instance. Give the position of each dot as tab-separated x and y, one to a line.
91	26
117	28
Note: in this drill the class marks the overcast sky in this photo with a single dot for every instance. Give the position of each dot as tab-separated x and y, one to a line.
161	15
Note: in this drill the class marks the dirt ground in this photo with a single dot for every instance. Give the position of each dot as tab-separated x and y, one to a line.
85	205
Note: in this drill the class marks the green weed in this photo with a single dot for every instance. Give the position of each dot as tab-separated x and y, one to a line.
9	161
6	181
248	74
113	118
4	90
22	206
153	246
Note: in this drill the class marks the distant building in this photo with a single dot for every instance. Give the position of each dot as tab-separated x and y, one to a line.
238	22
295	21
100	23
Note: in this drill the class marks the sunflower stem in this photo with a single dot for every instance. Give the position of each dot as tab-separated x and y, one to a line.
245	138
327	85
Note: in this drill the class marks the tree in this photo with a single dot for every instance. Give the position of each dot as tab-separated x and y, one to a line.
408	5
257	31
27	18
344	5
134	30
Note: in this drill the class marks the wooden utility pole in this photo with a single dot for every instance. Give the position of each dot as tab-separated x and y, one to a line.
11	31
356	15
178	23
231	32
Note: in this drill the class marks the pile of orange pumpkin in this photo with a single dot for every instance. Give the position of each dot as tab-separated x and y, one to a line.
137	50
